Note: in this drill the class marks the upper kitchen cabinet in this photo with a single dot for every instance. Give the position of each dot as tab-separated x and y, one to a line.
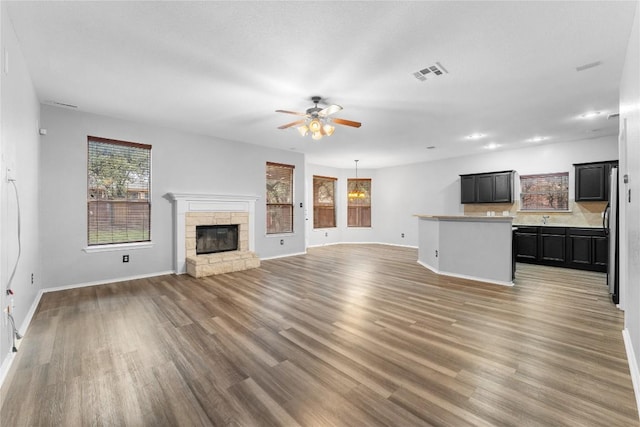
467	189
592	181
494	187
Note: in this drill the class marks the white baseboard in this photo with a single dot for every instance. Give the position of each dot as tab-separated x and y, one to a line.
463	276
8	360
361	243
283	256
32	310
4	368
107	281
633	364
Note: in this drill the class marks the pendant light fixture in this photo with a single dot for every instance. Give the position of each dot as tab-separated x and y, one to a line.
357	192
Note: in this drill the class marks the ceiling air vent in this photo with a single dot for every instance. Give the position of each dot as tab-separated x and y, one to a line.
430	71
613	116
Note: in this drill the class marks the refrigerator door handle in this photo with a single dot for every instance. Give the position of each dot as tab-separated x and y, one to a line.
605	218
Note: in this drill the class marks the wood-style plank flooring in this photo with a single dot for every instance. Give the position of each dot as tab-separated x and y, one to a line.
347	335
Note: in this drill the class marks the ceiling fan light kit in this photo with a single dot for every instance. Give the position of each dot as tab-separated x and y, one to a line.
317	121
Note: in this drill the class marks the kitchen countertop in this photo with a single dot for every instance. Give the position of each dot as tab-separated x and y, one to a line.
466	217
557	225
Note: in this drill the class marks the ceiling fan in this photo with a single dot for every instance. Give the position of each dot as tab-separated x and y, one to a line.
317	120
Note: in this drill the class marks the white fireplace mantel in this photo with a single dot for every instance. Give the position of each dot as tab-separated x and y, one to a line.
185	202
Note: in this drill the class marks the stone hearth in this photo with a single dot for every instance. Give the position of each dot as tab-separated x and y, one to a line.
190	210
223	262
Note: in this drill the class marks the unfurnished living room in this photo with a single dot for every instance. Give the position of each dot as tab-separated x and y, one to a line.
327	213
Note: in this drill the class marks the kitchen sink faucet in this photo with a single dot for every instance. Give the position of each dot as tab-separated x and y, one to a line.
545	218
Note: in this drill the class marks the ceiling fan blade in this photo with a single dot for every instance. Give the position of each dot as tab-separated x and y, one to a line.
296	123
346	122
291	112
331	109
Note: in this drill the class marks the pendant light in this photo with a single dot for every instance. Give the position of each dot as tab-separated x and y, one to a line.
357	192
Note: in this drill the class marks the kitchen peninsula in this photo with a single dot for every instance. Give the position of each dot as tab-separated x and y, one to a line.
470	247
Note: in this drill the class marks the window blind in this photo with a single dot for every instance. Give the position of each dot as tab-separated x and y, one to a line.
359	209
324	201
118	188
279	198
544	191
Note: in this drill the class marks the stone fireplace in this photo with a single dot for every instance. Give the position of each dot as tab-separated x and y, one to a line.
194	213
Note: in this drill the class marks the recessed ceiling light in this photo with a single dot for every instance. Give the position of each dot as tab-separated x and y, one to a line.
537	138
475	136
591	114
491	146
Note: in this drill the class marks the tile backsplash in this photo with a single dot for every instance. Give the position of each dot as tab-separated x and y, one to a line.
580	214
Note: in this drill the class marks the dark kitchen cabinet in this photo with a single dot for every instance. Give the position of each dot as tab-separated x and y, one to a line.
494	187
551	244
570	247
600	247
468	189
592	181
484	188
587	249
526	243
503	184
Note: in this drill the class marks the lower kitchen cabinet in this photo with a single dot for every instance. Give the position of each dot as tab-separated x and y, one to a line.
551	241
587	249
570	247
600	251
525	241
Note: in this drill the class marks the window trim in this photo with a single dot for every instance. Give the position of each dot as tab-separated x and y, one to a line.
293	193
113	247
333	205
370	181
521	207
107	247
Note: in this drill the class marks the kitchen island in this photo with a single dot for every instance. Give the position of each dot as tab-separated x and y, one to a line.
470	247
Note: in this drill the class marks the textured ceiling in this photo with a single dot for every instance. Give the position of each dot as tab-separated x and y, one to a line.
222	68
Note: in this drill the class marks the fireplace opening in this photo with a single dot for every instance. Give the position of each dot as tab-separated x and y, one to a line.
211	239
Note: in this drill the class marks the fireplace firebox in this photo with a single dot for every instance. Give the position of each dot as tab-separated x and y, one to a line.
211	239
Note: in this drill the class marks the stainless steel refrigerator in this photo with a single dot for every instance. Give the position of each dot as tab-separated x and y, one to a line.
610	224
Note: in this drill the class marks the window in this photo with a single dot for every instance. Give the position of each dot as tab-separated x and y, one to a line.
279	198
118	184
324	202
359	208
547	192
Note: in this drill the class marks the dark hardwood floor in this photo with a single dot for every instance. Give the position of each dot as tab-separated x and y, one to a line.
357	335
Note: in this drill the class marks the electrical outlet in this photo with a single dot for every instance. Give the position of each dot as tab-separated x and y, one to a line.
125	258
282	241
11	173
326	234
402	235
32	278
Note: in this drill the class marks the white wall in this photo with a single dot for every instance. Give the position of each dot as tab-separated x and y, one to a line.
399	193
19	146
181	162
630	210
